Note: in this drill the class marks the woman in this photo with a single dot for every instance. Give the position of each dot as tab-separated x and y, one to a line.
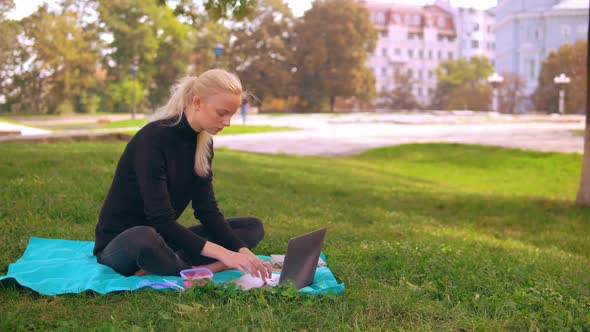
166	165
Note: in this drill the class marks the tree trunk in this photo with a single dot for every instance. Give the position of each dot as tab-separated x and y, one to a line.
332	102
583	197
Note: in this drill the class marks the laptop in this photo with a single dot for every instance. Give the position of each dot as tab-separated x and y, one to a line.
299	264
301	259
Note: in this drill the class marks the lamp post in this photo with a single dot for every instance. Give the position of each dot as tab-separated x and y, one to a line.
218	50
495	81
134	69
561	81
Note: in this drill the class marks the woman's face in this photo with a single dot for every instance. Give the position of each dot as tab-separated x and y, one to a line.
213	113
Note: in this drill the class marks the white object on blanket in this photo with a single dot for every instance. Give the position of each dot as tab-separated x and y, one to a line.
248	282
278	260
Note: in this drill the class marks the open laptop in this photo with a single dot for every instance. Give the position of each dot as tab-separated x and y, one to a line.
301	259
299	265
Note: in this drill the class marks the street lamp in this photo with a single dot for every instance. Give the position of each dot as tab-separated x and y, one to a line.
561	81
495	81
218	50
134	69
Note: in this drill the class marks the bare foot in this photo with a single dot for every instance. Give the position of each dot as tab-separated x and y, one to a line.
140	272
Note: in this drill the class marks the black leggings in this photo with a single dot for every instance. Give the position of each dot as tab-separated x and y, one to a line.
141	247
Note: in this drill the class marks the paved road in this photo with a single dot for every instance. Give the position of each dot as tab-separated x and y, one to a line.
351	134
334	135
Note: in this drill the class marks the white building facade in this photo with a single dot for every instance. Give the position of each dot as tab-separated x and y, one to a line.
528	30
416	39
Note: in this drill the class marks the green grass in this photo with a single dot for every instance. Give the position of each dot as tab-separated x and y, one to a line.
578	132
425	237
242	129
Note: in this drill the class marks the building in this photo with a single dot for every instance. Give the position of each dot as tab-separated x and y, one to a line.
416	39
528	30
475	30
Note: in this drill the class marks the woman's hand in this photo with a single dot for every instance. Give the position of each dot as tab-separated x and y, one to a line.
243	260
266	264
247	263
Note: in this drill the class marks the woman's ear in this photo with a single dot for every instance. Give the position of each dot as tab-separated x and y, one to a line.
196	104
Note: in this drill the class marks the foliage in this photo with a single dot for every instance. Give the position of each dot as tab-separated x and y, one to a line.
333	42
239	8
570	60
462	84
511	93
262	53
402	96
65	53
438	237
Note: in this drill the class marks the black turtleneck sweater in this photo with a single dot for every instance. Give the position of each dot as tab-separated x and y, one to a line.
153	184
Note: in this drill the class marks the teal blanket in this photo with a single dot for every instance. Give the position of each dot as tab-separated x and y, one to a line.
54	266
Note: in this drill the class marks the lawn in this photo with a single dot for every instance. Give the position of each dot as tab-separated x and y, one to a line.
426	237
138	123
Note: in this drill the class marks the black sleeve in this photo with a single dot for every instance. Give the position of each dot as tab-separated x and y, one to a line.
206	210
150	167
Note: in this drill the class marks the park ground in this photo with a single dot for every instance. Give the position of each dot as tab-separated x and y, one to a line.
440	237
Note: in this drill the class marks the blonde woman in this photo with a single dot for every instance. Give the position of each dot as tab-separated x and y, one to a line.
166	165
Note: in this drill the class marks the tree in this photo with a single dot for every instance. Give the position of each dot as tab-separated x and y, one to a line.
462	84
239	8
401	97
333	42
262	53
570	60
510	93
61	57
148	52
583	197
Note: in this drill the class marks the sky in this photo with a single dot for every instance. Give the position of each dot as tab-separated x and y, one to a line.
25	8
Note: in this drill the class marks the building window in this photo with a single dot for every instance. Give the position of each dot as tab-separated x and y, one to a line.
474	43
380	18
537	34
429	73
441	22
430	54
531	69
440	38
408	19
420	73
410	73
475	26
411	54
439	55
383	33
450	55
420	54
397	19
489	29
416	19
384	52
419	90
384	71
397	51
565	31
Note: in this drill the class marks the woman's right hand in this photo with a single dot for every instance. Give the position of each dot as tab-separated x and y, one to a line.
245	263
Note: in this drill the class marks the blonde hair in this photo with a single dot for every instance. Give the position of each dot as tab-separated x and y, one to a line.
182	95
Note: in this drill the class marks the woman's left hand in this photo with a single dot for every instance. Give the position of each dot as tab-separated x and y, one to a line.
266	264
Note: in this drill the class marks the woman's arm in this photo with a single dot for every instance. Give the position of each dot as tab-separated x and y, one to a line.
206	210
245	260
